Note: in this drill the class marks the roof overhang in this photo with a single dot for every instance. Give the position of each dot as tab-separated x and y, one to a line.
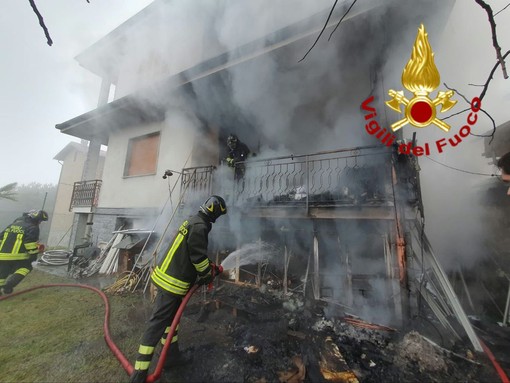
102	57
99	123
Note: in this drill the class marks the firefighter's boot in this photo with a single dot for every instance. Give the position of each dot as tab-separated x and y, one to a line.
138	376
12	282
177	358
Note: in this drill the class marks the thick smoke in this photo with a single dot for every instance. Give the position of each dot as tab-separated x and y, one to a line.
280	107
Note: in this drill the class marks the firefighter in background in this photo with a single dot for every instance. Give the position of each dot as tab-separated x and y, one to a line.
238	152
504	165
184	264
19	248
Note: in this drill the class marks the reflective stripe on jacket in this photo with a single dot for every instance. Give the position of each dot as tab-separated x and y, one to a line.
19	240
185	258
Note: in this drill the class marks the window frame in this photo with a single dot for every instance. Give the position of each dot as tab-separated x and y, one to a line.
129	152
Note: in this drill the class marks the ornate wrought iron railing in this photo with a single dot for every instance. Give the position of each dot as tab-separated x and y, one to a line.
196	183
342	177
348	176
85	194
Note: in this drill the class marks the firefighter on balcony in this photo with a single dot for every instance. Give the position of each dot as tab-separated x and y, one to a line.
185	263
238	152
19	248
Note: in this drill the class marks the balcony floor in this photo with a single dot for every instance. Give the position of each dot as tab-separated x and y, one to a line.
358	212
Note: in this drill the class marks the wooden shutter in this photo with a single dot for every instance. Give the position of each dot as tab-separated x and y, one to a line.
142	156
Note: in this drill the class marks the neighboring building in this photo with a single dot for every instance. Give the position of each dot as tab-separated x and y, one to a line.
72	159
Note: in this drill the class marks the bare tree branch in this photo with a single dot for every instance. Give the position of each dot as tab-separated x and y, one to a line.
321	32
501	10
41	22
495	43
343	17
487	114
455	114
491	74
326	24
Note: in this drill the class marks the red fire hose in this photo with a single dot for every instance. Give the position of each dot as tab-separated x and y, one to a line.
106	326
495	363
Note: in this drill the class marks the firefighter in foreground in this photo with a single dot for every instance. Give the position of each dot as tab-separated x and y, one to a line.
19	248
238	152
184	264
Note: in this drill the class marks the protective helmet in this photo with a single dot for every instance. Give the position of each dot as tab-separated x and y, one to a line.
213	207
38	215
232	141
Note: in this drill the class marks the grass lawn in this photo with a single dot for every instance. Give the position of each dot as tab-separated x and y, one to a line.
56	334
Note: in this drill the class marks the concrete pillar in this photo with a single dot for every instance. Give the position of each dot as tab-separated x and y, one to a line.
93	153
90	166
104	92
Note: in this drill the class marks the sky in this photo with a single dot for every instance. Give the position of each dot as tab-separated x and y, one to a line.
42	86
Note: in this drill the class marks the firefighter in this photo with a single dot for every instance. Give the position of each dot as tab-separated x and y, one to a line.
504	165
238	152
19	248
185	263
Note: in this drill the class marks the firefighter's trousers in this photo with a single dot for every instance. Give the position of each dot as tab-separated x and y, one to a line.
158	326
13	272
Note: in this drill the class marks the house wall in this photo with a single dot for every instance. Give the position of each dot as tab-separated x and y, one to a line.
118	191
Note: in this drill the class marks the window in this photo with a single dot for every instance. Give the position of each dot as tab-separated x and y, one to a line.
142	155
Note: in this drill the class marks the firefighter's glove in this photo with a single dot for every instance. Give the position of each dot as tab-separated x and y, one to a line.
41	247
206	278
230	161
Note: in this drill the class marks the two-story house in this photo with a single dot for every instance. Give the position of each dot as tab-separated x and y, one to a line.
187	75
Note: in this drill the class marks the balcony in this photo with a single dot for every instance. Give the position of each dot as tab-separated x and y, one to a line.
85	196
351	183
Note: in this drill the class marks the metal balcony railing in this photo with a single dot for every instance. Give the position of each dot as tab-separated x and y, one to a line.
85	194
343	177
196	183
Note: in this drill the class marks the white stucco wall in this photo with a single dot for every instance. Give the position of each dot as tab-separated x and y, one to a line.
118	191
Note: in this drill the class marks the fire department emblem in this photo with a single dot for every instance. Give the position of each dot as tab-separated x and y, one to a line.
421	77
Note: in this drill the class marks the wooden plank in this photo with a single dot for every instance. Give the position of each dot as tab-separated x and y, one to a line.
327	212
333	366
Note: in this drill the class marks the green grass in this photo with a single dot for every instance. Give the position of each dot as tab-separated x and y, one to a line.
56	334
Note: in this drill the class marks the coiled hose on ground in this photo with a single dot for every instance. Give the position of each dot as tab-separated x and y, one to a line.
55	258
128	367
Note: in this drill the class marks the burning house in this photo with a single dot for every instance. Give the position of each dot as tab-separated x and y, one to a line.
341	210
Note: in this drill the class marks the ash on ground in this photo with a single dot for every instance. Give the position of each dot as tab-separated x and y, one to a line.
243	334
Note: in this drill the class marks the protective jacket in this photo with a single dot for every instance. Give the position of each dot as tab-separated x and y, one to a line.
19	240
186	257
237	154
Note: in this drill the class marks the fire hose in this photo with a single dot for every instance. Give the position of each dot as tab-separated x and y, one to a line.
128	367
